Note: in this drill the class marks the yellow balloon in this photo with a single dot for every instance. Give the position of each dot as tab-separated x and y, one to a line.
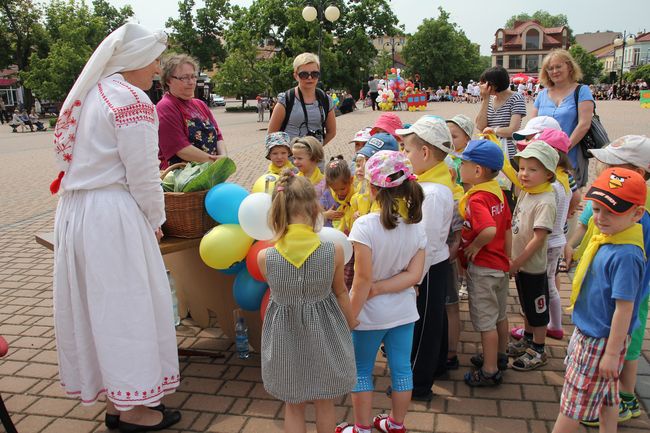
260	183
224	245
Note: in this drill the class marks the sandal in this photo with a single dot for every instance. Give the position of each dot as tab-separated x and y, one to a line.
344	427
562	265
517	332
479	378
518	348
380	422
530	360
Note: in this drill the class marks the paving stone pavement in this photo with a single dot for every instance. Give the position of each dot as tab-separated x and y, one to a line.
226	395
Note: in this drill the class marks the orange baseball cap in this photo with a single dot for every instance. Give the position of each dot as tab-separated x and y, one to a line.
619	189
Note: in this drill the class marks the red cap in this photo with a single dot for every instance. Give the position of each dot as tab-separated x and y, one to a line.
619	189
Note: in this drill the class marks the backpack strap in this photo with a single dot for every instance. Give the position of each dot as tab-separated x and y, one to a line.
289	100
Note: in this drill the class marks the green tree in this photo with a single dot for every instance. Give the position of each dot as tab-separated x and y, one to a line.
74	31
199	34
642	73
242	74
22	33
591	67
441	52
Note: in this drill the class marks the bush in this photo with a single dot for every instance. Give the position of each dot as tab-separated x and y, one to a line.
239	109
53	122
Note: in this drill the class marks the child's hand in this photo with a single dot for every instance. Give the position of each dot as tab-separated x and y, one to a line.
355	215
471	251
332	214
608	366
568	255
159	234
488	130
514	268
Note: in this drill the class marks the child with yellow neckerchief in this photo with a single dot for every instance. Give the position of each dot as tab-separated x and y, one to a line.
532	222
606	292
559	141
307	153
389	259
485	253
309	310
278	151
361	201
426	144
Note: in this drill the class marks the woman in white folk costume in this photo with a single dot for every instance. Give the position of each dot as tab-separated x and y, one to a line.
112	304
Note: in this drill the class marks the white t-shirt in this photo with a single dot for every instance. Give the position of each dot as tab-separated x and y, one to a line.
521	88
437	212
562	199
470	88
460	90
392	250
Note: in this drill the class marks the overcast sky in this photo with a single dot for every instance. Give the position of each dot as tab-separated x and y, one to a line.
478	18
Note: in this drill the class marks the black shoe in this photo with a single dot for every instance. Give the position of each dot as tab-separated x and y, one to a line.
479	378
452	363
502	361
113	421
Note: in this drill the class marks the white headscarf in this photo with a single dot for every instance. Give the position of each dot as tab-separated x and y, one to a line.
128	48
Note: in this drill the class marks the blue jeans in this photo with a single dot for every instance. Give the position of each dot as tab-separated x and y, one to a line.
398	343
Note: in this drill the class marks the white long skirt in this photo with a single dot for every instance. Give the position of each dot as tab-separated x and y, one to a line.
112	304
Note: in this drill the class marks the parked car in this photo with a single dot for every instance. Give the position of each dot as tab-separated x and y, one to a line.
217	100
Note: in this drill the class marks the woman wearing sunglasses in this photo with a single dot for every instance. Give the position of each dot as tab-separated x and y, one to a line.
305	109
188	131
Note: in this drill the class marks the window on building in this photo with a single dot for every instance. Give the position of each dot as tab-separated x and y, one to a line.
515	62
499	60
532	40
636	56
532	63
499	41
565	37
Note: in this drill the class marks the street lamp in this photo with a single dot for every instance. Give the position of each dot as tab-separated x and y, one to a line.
311	13
623	41
393	44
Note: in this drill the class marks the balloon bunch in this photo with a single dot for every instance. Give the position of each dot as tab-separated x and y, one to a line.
232	247
385	99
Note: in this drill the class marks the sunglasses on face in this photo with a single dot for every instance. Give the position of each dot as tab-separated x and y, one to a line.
303	75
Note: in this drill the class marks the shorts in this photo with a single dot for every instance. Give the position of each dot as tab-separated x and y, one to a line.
488	296
584	392
452	287
533	297
636	342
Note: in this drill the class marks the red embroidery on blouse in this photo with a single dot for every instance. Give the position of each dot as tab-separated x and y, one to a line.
132	113
63	142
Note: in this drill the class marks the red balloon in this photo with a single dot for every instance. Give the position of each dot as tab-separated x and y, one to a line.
265	303
251	259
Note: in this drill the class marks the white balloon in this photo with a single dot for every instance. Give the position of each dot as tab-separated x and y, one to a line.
253	216
332	235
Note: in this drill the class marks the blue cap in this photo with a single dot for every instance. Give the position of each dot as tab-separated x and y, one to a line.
485	153
380	141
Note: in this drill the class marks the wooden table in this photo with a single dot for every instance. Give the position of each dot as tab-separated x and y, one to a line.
199	288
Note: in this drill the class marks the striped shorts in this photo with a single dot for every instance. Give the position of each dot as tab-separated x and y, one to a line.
584	391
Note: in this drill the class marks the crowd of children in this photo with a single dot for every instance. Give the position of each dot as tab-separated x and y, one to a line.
422	207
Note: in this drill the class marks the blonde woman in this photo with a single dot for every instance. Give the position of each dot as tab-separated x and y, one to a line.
305	110
560	75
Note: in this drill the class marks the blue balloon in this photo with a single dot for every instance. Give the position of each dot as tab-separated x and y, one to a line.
247	291
222	202
234	269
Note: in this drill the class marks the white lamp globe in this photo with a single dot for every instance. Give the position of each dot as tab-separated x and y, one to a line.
332	13
309	13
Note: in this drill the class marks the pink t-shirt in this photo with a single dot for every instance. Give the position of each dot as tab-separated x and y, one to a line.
184	123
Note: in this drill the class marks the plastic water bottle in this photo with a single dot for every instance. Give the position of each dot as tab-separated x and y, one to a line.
241	338
172	287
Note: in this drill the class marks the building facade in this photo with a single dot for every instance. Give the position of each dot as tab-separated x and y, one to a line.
522	48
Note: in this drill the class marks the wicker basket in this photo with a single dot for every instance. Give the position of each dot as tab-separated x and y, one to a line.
185	211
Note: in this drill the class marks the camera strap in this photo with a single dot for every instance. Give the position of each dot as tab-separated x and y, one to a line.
304	110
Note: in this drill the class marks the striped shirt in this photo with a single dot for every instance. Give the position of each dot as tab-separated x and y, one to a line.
500	117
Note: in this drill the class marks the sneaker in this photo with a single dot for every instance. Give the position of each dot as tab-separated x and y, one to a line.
530	360
517	332
624	414
556	334
453	363
477	378
502	361
381	423
633	407
517	348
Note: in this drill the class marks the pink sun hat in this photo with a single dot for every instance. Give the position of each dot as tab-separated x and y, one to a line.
388	122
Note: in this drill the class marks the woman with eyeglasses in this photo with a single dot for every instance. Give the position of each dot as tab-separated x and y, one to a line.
559	76
188	130
305	110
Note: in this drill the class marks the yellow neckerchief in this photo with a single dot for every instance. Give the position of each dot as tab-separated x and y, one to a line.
511	174
402	208
458	192
297	244
439	173
630	236
345	223
491	186
315	177
563	177
274	169
360	202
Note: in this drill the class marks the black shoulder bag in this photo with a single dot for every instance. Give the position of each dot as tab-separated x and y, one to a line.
596	137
